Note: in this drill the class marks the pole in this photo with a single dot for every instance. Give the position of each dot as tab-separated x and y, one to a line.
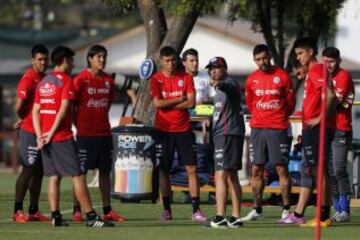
320	174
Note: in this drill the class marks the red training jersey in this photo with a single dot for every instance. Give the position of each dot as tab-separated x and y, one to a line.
26	90
163	87
93	95
345	92
312	95
270	98
51	90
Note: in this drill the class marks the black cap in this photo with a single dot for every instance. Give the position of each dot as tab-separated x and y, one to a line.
217	62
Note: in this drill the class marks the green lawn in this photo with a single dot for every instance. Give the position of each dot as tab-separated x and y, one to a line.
143	223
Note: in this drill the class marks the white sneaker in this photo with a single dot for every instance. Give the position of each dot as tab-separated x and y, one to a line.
285	214
335	216
251	216
218	223
342	217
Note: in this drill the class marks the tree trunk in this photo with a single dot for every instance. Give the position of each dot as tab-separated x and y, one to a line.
156	28
264	16
158	36
155	24
180	30
280	10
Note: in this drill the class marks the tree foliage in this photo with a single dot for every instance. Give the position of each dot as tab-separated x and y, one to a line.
171	20
279	21
167	23
173	6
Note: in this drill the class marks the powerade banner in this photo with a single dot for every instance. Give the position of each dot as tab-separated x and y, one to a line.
133	164
146	69
133	141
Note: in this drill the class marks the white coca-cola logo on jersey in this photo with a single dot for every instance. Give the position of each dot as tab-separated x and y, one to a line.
262	92
47	90
103	102
171	94
273	104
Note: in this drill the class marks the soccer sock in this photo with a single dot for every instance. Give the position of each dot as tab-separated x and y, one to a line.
325	213
106	209
55	214
91	215
195	204
166	203
298	215
77	208
33	209
18	206
336	203
258	210
286	207
344	202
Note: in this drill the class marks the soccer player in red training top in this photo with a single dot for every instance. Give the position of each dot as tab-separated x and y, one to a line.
306	51
32	173
52	118
172	94
344	91
270	99
94	90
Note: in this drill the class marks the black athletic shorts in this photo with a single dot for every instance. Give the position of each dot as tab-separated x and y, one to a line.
167	143
28	153
269	145
310	147
60	159
95	152
228	152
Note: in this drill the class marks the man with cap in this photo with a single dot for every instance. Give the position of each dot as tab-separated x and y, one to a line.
228	138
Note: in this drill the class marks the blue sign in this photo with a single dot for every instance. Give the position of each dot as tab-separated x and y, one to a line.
147	68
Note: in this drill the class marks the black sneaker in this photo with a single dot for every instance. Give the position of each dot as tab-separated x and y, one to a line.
58	221
234	222
218	222
98	223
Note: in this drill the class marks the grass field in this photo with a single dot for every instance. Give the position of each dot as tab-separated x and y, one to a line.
143	223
